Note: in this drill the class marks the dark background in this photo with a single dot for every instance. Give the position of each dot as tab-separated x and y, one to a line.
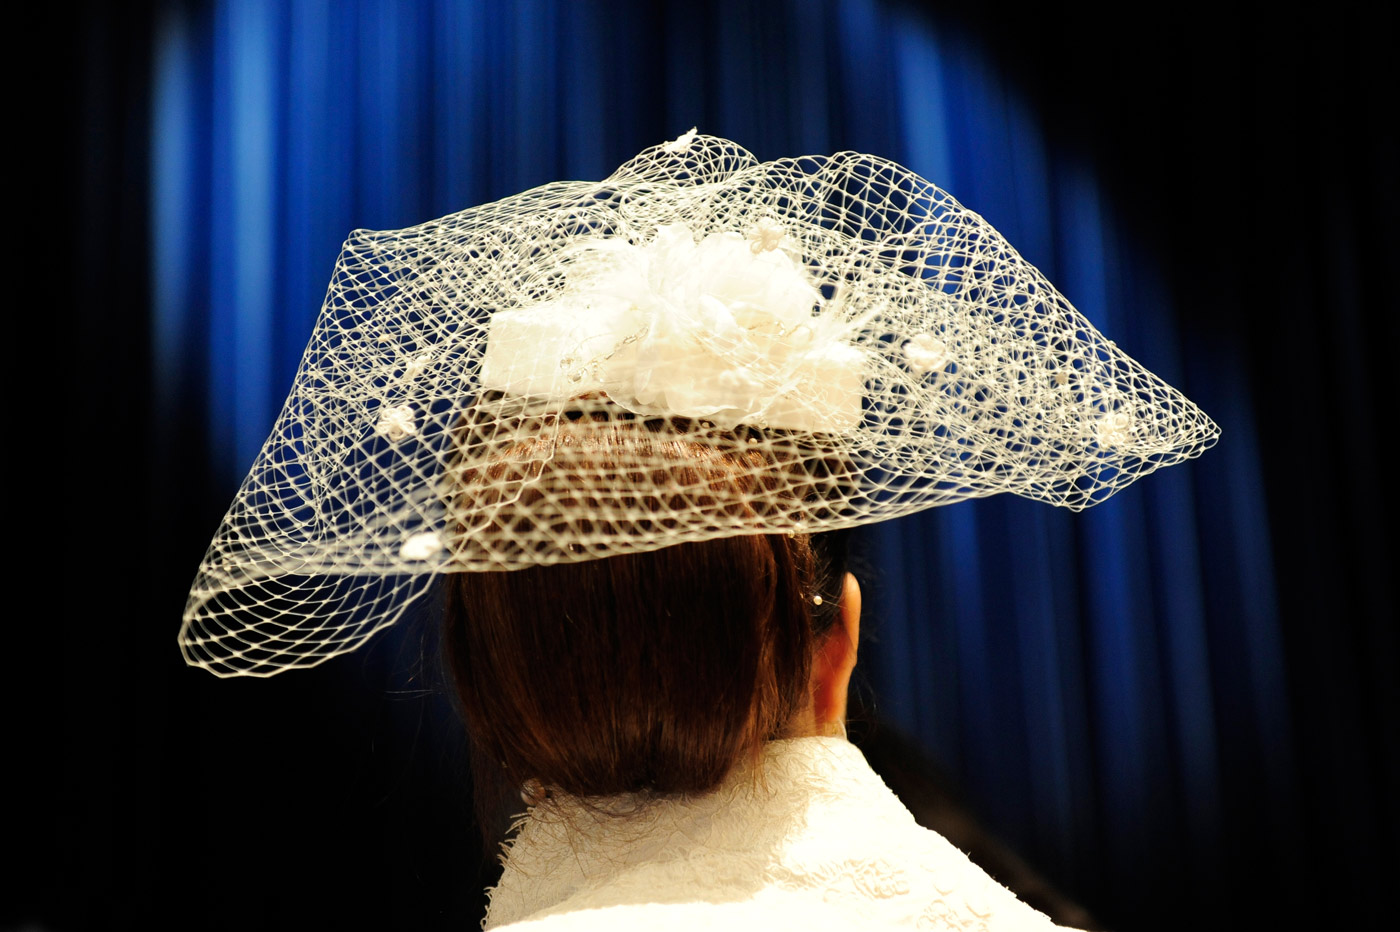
1251	152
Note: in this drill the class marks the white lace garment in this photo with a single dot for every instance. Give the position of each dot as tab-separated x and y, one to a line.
816	842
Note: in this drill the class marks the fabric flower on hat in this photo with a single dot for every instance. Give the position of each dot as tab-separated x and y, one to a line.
708	329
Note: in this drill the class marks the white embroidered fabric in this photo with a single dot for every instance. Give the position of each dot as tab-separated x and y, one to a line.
812	839
842	333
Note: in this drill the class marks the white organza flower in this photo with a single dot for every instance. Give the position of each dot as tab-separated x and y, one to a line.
1115	429
926	353
415	366
766	235
709	329
397	423
682	142
421	546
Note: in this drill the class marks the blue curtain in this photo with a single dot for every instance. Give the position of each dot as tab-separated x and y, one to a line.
1110	690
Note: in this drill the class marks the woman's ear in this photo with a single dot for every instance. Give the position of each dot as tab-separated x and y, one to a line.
834	661
850	613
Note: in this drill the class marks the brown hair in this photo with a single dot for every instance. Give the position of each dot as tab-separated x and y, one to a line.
651	672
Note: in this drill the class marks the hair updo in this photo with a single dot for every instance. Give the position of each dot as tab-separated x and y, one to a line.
647	673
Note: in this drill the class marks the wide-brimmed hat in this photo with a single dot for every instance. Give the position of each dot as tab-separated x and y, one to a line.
700	345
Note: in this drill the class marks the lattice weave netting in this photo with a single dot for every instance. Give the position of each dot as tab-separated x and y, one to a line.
701	345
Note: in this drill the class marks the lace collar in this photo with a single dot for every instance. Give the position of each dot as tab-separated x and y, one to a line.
812	823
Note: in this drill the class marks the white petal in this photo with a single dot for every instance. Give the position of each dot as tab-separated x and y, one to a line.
681	142
926	353
421	546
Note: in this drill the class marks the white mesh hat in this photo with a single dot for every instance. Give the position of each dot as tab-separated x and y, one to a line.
699	346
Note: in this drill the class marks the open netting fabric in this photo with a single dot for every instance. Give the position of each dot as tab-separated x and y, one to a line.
700	345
